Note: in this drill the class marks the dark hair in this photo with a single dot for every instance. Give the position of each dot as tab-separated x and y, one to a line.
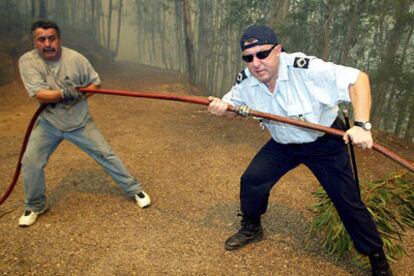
45	24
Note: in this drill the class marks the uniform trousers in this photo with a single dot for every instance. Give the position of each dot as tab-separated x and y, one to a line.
328	159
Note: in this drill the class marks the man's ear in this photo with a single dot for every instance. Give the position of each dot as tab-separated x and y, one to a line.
279	48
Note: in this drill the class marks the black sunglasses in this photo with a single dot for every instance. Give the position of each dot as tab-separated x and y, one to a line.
259	55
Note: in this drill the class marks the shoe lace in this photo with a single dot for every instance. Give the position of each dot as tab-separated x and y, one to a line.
244	218
27	213
247	224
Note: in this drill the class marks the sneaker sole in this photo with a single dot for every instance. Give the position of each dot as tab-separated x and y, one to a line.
255	239
24	225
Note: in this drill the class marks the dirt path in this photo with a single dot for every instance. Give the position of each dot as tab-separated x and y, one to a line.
190	163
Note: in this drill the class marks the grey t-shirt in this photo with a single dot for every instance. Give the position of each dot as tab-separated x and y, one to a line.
71	69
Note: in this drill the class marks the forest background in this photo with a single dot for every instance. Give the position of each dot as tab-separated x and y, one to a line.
200	38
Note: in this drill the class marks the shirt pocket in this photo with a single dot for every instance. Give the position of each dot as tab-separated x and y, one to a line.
299	105
322	91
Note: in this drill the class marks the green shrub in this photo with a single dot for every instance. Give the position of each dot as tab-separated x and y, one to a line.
391	204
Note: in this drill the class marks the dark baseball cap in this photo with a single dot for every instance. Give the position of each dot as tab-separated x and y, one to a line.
263	34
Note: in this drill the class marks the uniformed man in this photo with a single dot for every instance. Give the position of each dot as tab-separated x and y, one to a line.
306	88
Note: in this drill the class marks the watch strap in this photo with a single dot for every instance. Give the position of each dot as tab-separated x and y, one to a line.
365	125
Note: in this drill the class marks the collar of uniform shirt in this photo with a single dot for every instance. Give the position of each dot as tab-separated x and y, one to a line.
284	61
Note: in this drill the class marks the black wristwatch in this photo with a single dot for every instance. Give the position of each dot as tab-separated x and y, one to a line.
365	125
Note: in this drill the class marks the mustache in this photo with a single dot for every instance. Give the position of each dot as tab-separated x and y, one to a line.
49	49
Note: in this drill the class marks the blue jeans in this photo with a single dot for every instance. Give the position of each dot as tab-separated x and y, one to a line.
43	141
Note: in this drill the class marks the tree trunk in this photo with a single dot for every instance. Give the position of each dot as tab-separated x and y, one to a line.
33	9
93	18
406	45
406	102
118	31
8	15
42	9
409	134
108	28
401	114
189	37
355	11
102	25
280	11
179	26
389	58
60	7
326	31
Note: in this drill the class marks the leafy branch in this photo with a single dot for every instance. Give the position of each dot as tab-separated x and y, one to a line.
390	201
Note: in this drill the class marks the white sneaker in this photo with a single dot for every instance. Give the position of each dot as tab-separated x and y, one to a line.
29	217
143	200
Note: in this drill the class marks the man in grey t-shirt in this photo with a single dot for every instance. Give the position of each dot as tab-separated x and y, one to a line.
51	74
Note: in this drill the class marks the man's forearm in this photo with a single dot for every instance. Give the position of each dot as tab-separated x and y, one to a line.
49	96
54	96
360	93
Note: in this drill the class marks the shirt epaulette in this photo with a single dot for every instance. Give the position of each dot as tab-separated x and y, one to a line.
301	62
241	76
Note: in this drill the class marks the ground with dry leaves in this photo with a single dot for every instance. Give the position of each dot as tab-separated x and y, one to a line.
190	163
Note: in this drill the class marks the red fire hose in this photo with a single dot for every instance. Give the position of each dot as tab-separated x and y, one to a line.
23	148
243	111
204	101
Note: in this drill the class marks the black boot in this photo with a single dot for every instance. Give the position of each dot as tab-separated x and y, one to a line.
379	264
249	232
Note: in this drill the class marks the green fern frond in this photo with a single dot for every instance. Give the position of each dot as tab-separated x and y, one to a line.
390	201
